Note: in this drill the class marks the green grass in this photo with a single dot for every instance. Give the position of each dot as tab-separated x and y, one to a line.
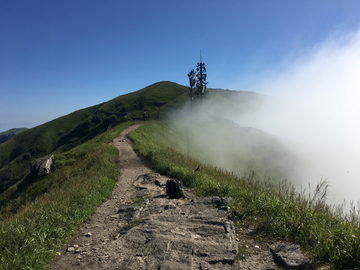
151	98
37	221
329	235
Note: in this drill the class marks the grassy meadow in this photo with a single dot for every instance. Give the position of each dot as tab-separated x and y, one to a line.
329	236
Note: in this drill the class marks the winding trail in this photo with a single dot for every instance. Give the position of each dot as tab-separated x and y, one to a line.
188	233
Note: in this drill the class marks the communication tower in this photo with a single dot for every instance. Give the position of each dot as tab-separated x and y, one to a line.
197	78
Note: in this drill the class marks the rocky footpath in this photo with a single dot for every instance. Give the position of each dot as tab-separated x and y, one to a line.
139	227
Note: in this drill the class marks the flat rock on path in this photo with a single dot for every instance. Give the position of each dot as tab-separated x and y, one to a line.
138	227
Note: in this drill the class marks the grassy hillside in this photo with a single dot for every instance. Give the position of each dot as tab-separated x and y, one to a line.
16	154
35	222
38	219
66	132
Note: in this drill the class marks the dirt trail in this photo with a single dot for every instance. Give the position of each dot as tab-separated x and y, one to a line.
94	237
138	227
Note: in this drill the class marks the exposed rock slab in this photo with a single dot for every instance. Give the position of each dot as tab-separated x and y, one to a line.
41	166
179	234
157	233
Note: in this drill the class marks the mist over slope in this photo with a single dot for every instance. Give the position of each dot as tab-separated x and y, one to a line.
240	150
313	108
211	136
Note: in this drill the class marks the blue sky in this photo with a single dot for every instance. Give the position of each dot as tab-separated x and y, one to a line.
60	56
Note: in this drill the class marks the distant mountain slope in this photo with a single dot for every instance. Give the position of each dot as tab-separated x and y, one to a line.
7	135
75	128
237	102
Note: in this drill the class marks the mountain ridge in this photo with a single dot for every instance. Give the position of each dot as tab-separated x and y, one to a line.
8	134
66	132
160	100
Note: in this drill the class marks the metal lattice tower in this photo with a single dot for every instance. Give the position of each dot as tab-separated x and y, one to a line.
198	78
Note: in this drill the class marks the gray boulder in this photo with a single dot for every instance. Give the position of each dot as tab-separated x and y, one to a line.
289	255
41	166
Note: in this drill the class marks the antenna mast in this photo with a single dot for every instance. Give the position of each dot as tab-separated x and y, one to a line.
198	78
201	78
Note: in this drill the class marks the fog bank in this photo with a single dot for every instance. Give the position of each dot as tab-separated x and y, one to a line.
314	108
